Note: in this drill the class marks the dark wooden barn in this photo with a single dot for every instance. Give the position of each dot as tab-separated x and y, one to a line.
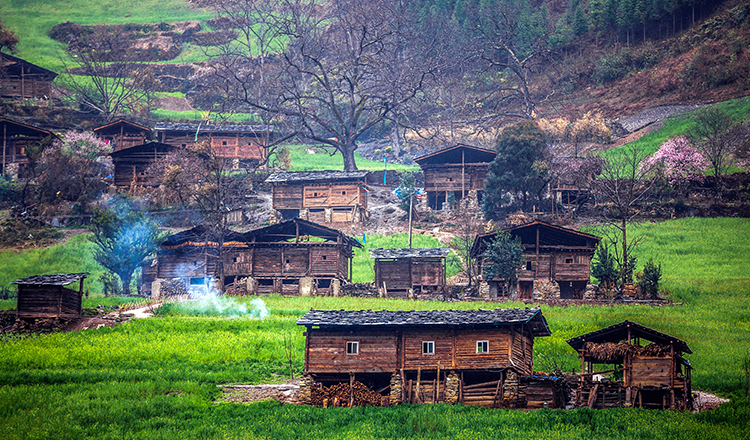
17	137
459	170
245	143
320	196
555	259
45	296
572	178
295	257
399	270
477	357
131	163
123	134
22	79
619	369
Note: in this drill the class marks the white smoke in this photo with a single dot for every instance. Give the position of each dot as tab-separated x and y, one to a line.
210	300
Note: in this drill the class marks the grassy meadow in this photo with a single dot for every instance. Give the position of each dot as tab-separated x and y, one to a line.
156	378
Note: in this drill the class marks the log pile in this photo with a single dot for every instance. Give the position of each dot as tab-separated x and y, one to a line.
174	287
341	394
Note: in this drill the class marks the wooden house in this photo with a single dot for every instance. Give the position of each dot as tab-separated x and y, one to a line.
16	138
619	369
291	257
22	79
245	143
475	357
555	259
122	134
572	178
399	270
131	163
320	196
45	296
459	170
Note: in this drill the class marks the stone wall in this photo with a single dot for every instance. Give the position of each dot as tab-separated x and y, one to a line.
546	289
513	397
305	389
396	387
452	385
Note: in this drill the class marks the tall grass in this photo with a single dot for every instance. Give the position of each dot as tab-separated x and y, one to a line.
303	160
681	125
32	20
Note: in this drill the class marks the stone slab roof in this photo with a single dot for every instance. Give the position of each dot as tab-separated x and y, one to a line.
427	318
59	279
410	253
311	176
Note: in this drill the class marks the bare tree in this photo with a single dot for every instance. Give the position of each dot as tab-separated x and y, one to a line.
623	184
347	66
715	134
104	74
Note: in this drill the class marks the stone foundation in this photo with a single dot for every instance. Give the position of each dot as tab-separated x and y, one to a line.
306	286
304	214
328	215
484	290
305	389
396	386
591	292
336	287
546	289
274	217
452	384
513	397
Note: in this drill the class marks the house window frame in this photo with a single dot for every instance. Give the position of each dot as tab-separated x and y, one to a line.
483	346
428	348
352	348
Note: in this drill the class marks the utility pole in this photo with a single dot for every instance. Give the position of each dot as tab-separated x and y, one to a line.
411	198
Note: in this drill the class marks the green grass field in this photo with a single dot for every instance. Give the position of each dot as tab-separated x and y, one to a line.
302	160
156	378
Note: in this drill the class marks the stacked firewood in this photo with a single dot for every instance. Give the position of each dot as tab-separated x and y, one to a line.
173	287
341	394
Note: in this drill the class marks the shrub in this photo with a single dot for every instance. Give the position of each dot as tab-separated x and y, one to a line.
648	280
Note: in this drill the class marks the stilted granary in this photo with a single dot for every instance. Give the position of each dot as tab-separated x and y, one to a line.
477	357
397	271
617	369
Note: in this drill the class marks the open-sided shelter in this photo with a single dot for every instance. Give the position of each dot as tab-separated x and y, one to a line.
123	134
399	270
22	79
320	196
618	368
470	356
45	296
131	163
552	255
16	137
291	257
459	170
245	143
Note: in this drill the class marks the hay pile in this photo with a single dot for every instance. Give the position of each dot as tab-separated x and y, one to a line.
610	353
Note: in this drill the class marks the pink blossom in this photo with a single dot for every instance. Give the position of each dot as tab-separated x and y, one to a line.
678	161
83	145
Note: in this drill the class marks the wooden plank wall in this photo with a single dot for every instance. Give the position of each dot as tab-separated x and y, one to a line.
184	265
48	301
324	261
499	346
238	262
333	194
326	352
31	88
650	371
267	262
413	357
448	178
296	262
426	272
523	349
287	196
395	274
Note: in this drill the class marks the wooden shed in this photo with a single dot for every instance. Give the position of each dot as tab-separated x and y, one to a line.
619	368
246	143
293	257
22	79
320	196
460	170
399	270
16	137
131	163
45	296
475	357
123	134
555	259
572	180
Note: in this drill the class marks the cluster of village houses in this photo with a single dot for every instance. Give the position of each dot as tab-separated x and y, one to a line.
480	357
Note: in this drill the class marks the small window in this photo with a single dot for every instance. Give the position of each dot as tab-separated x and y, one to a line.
223	142
325	257
236	259
530	265
315	194
483	346
568	261
352	347
428	347
343	193
288	261
196	281
184	145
